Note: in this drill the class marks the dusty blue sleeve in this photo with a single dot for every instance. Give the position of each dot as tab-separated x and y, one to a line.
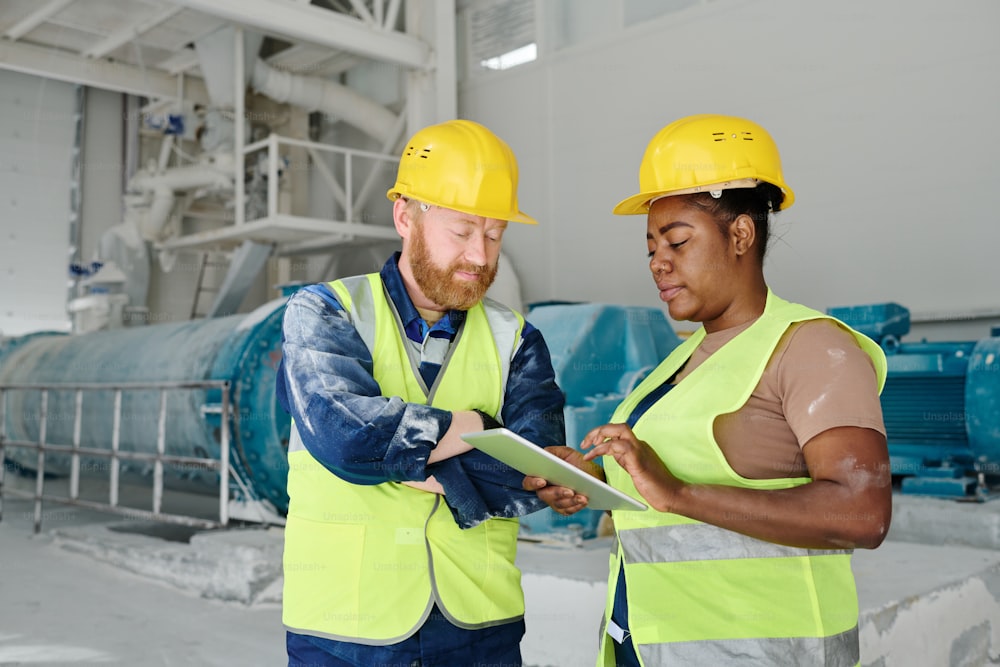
325	383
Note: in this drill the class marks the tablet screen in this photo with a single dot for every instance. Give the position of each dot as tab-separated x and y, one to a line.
530	459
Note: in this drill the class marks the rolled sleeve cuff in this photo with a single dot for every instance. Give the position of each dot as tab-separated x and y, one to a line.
478	487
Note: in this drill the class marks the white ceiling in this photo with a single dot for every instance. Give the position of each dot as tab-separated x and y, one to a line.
139	46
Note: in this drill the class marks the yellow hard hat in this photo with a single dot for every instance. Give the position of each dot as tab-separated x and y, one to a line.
704	153
463	166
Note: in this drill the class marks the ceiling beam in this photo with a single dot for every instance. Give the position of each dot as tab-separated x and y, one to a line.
130	32
390	15
36	18
64	66
181	61
308	23
362	11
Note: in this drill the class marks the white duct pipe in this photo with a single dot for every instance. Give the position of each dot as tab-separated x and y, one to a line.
159	187
316	94
166	146
210	175
159	212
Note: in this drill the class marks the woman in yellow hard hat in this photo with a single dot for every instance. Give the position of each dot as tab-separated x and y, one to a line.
758	443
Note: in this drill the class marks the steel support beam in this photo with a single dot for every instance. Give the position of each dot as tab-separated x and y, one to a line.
36	18
307	23
130	32
432	97
64	66
180	62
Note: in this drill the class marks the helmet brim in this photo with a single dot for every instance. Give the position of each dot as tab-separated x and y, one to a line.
393	194
635	205
639	204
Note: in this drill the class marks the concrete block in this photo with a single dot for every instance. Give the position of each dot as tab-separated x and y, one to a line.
233	565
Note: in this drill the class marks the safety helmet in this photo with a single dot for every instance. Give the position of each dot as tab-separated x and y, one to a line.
463	166
705	153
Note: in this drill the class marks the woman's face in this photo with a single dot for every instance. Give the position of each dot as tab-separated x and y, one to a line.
692	262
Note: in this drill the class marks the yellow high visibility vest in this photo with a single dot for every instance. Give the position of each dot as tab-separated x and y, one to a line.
701	595
366	563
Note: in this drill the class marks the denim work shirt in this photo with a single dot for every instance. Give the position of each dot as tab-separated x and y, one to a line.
325	382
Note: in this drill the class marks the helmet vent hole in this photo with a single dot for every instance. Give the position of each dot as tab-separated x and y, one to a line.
413	152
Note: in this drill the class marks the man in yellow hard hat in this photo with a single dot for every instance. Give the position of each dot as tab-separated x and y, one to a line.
400	541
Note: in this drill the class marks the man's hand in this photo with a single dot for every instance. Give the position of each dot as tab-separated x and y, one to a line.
563	500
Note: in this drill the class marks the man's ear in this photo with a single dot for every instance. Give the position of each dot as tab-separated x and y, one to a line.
401	218
743	233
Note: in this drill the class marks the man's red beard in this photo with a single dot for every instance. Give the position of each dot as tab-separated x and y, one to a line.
440	285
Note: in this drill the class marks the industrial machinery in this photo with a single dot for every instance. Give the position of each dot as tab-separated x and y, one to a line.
941	405
941	401
243	349
599	352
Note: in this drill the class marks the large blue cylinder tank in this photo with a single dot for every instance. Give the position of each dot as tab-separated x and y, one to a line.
243	349
941	404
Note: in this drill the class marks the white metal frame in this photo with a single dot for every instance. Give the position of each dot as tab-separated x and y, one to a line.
298	234
222	464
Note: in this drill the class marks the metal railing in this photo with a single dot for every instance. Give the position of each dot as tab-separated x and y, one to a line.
76	451
341	189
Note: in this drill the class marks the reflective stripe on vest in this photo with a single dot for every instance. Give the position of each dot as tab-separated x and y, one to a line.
367	563
840	650
702	542
698	594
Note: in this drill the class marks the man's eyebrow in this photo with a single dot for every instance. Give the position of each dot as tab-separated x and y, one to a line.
468	221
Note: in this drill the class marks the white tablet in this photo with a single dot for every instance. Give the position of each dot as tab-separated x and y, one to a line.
527	457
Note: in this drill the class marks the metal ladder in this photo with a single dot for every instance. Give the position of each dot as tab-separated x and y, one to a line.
208	259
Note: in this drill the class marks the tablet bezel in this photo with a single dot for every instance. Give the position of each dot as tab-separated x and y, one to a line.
528	458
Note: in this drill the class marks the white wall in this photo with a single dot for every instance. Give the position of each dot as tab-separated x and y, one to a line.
885	114
36	148
36	144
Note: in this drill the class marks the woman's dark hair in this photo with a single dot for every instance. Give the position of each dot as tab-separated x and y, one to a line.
755	202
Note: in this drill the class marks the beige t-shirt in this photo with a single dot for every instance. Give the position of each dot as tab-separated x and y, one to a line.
818	378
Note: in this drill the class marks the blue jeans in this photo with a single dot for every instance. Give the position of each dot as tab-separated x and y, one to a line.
437	643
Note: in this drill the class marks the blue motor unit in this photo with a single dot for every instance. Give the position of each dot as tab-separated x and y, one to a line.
941	405
599	353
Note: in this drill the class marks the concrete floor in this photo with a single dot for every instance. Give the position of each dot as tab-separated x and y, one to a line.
60	608
94	589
